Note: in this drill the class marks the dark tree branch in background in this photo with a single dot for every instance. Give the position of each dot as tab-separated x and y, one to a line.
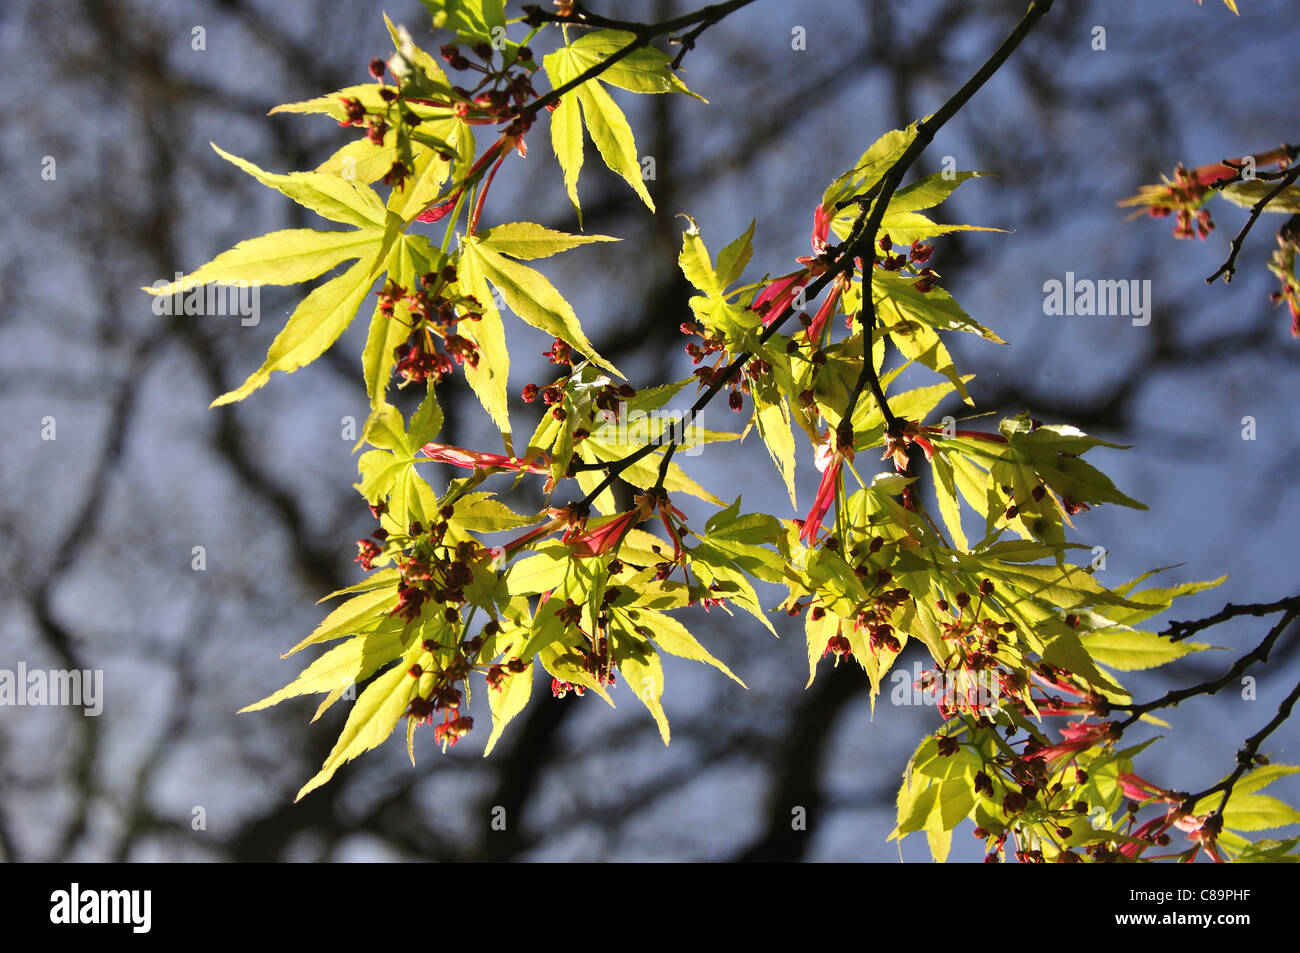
799	764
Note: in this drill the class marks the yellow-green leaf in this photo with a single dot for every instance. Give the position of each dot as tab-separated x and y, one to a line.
645	70
489	380
286	257
1130	650
696	264
348	618
1262	776
532	298
314	325
352	203
507	702
1257	812
566	141
674	638
362	160
773	422
528	241
612	136
644	675
331	104
370	722
344	665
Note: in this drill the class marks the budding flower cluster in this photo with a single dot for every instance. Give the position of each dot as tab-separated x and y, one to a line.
435	311
433	578
917	256
508	87
712	343
606	398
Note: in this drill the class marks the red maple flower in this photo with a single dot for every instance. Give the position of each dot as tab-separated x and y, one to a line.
436	213
449	732
1148	832
781	293
1138	788
512	138
477	460
823	316
674	521
1078	737
838	646
1206	834
896	444
568	518
607	537
830	462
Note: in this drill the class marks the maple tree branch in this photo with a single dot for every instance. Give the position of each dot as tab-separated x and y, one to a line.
861	240
687	40
893	178
868	376
663	465
1283	155
1178	631
1229	267
614	469
642	34
1172	698
1245	757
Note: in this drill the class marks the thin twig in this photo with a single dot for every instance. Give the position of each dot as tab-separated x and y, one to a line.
1229	267
687	41
893	178
1284	154
868	376
1177	631
860	241
1259	654
642	34
663	465
1246	756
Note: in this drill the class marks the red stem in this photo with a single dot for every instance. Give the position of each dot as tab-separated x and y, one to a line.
478	206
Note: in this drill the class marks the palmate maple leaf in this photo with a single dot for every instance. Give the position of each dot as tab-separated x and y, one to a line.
295	255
